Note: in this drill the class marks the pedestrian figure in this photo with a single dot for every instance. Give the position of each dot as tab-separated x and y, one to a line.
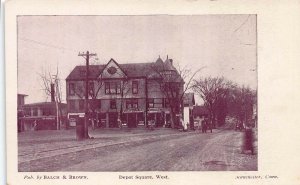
248	140
119	123
93	123
203	126
35	125
208	124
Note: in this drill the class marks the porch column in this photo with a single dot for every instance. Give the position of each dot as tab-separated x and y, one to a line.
107	120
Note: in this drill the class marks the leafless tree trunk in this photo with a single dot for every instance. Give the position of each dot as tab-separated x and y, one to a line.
49	80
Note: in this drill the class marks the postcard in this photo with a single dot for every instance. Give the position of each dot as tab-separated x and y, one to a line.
152	92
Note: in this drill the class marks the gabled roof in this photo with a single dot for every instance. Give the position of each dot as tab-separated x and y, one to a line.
159	61
169	64
132	70
188	99
22	95
76	73
113	61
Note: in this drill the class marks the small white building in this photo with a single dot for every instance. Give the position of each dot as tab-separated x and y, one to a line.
188	104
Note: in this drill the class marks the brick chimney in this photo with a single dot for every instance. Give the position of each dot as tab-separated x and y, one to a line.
52	92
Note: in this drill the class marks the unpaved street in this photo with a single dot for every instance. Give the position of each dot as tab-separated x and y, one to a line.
159	150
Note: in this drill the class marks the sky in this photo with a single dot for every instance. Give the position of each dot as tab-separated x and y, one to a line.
224	44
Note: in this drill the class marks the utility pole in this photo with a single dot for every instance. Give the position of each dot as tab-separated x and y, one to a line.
87	56
54	96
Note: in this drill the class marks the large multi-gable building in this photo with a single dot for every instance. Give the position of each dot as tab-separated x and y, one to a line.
129	92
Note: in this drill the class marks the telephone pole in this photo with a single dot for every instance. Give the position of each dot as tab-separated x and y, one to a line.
87	56
54	93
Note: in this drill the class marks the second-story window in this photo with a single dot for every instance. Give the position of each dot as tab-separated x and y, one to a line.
107	88
134	87
112	87
132	103
71	105
113	104
91	89
81	104
71	89
150	102
158	102
167	103
118	86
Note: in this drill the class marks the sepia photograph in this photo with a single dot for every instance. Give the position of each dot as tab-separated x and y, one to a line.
151	92
127	93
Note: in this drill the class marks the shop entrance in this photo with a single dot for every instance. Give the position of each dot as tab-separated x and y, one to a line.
113	120
157	118
132	122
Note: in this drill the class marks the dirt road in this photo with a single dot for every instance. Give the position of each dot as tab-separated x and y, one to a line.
175	151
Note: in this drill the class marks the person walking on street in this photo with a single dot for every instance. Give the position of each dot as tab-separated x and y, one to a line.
203	126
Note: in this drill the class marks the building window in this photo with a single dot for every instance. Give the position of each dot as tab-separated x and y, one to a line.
155	102
113	104
71	104
158	103
134	87
167	103
27	111
132	103
35	112
112	87
81	104
151	103
71	89
91	89
95	104
128	104
47	112
118	84
106	88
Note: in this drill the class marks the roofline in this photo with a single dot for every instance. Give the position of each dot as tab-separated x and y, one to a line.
22	94
81	79
42	103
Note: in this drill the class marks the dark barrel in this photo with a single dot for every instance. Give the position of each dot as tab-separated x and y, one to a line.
79	128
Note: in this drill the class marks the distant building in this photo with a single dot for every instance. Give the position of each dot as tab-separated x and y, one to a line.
129	92
21	102
188	104
21	99
41	116
199	114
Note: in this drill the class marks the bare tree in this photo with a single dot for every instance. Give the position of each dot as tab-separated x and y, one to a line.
174	83
95	86
213	91
241	102
51	85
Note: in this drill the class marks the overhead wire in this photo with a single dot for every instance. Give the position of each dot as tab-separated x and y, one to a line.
46	44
